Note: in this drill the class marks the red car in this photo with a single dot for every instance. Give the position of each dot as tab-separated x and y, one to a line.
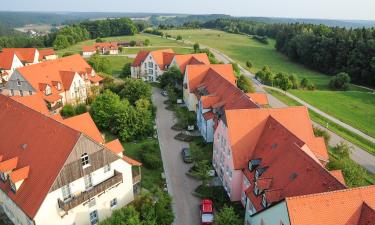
207	214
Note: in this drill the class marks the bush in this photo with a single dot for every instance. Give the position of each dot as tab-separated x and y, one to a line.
322	133
265	75
100	64
196	47
99	40
340	82
147	42
249	64
67	111
150	156
245	84
261	39
80	109
68	54
132	43
126	70
179	37
135	89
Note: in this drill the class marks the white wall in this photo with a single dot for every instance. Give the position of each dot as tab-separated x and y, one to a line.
71	96
50	213
14	213
277	214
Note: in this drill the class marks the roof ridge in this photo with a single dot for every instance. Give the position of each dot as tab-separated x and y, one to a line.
329	192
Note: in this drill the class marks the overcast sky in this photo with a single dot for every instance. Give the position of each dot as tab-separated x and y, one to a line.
326	9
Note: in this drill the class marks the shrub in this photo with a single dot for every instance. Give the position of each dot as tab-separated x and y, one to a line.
150	156
132	43
340	82
67	111
196	47
249	64
126	70
147	42
80	109
99	40
261	39
179	37
245	84
322	133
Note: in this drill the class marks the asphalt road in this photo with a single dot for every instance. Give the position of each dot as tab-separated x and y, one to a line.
180	186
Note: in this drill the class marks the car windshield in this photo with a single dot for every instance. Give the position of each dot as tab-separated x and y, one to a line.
207	217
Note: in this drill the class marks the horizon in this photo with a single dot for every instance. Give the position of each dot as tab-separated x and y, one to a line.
292	9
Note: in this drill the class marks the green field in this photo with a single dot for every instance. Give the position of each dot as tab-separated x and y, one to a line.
355	107
156	43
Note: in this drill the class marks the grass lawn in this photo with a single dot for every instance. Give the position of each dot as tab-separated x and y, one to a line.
343	132
354	108
117	63
156	43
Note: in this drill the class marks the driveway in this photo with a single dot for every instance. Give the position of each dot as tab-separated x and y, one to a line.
180	186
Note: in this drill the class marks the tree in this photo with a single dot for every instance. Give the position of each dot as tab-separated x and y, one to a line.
120	49
99	40
60	42
179	37
171	77
67	111
282	81
293	78
80	109
132	43
104	107
196	47
340	82
245	84
304	83
249	64
100	64
124	216
201	171
126	70
236	69
265	75
227	216
147	42
135	89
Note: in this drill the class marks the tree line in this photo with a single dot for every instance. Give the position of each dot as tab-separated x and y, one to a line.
69	35
330	50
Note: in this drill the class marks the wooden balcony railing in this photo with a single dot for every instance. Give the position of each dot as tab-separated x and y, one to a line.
136	176
86	195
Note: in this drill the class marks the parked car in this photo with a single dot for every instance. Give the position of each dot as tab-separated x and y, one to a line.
186	155
164	93
207	212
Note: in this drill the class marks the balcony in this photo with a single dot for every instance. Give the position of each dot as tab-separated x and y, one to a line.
136	176
86	195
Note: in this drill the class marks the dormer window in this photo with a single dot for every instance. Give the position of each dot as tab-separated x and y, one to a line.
85	161
264	201
256	190
3	176
13	186
254	163
59	86
48	90
259	172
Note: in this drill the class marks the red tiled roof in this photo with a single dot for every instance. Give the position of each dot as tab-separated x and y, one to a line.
35	102
45	52
245	127
19	174
52	98
95	79
344	207
67	78
141	56
8	164
163	57
259	98
115	146
24	54
277	147
30	136
84	123
338	175
6	60
131	161
191	59
88	49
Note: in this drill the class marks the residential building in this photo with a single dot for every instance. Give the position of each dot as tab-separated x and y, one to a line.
259	98
149	65
253	151
47	54
28	56
59	171
9	62
58	82
214	89
354	206
104	48
181	61
88	51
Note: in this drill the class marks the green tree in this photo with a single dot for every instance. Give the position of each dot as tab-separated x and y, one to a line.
227	216
100	64
245	84
126	70
249	64
61	42
104	107
132	43
282	81
196	47
236	69
80	109
340	82
135	89
293	78
171	77
99	40
124	216
179	37
201	171
304	83
147	42
67	111
68	54
265	75
120	49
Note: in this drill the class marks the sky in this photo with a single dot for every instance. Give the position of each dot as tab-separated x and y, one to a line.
323	9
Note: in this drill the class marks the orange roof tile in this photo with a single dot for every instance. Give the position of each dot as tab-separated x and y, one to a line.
6	60
96	78
141	56
19	174
35	102
88	49
24	54
245	127
259	98
8	164
52	98
131	161
338	175
115	146
45	52
30	136
344	207
191	59
84	123
163	57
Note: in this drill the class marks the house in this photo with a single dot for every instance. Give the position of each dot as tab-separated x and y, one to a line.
58	82
181	61
253	151
149	65
47	54
59	172
354	206
88	51
259	98
211	89
9	62
28	56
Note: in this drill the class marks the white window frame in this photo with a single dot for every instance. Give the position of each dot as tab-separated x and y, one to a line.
113	203
66	192
107	168
85	160
94	217
88	181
